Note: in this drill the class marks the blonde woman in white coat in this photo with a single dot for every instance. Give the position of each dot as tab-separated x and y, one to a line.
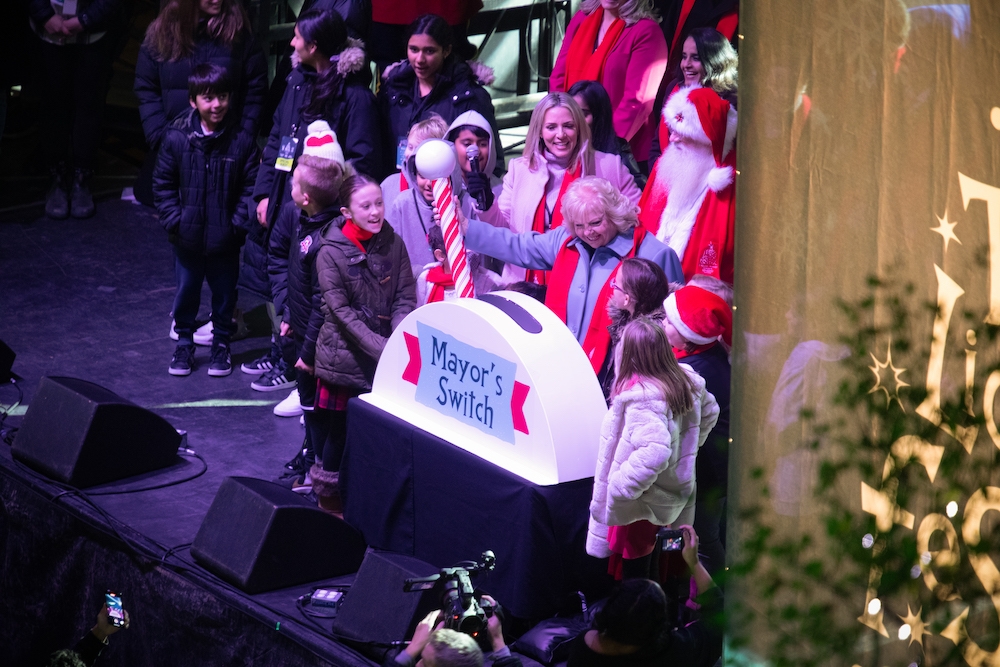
660	416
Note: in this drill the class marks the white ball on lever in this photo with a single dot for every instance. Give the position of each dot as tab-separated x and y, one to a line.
435	159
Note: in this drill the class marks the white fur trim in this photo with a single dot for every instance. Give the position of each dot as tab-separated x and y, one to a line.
674	317
688	124
351	59
676	231
720	178
483	72
391	69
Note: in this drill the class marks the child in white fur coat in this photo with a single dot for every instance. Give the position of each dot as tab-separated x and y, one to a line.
660	416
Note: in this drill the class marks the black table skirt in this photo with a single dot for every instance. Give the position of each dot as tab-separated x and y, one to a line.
413	493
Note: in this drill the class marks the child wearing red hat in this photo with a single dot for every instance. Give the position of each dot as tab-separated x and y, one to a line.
698	322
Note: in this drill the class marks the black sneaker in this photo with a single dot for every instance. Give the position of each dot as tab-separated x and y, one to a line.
81	201
263	364
222	361
280	377
57	198
183	360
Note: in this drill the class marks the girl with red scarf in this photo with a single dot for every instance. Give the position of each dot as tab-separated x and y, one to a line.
618	43
366	289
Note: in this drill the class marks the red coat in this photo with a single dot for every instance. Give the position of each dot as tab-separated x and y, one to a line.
632	75
710	247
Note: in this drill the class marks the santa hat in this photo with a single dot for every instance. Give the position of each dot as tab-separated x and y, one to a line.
699	114
699	315
322	142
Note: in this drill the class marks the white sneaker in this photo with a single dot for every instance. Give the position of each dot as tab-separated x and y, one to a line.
202	335
290	406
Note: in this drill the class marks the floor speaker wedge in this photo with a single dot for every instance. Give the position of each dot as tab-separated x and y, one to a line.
260	536
82	434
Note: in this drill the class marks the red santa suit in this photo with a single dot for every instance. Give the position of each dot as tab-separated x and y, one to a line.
698	166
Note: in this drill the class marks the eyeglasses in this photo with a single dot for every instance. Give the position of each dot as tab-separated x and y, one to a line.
614	285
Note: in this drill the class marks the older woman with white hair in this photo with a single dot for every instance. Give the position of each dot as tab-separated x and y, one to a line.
557	151
582	256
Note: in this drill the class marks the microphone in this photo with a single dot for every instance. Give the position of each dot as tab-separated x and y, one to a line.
472	153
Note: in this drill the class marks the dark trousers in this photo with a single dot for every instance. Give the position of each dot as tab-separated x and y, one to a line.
329	436
221	273
709	523
75	85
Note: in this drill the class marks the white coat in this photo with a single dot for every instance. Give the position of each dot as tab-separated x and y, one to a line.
646	462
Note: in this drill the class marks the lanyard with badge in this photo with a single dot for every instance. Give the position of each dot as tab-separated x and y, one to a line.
286	151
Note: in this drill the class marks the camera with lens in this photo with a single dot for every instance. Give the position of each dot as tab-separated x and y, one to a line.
460	609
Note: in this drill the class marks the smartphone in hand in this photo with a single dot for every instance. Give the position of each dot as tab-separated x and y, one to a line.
116	613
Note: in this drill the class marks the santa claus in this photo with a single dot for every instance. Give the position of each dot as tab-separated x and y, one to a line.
690	198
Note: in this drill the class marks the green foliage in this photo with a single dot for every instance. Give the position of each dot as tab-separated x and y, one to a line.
800	584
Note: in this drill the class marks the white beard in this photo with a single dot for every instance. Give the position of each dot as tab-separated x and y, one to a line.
683	174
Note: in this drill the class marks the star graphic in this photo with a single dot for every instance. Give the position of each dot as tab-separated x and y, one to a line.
946	230
896	380
917	625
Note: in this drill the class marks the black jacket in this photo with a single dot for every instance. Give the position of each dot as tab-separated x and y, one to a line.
162	87
712	464
456	91
354	117
363	297
201	183
94	15
295	241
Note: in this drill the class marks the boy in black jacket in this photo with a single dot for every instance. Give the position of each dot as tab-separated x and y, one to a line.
295	239
204	174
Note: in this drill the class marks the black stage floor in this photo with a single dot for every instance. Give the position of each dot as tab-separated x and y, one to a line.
91	299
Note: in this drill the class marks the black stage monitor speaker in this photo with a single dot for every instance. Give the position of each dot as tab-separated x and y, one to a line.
83	434
7	356
376	609
260	536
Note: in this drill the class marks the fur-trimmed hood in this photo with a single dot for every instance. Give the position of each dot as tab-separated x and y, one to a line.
349	61
475	70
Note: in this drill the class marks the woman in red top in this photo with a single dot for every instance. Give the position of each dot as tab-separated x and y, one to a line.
618	43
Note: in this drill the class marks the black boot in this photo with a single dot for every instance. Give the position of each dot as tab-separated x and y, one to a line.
81	201
57	198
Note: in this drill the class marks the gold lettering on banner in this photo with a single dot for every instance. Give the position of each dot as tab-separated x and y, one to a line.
949	557
973	189
989	395
981	502
949	293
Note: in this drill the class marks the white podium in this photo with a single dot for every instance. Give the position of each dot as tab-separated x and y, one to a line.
501	377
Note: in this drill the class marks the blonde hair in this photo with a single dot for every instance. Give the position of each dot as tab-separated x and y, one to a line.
320	179
534	147
719	288
432	127
644	355
591	196
630	11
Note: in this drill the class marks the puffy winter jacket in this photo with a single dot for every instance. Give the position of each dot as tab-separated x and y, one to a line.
646	461
459	88
363	297
353	116
200	185
162	87
295	242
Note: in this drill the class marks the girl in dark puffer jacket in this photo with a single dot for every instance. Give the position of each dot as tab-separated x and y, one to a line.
366	288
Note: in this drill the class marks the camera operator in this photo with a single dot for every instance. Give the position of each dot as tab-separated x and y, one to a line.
632	629
433	645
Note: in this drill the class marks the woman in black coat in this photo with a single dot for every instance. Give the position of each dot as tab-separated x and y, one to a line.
432	80
185	34
326	84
